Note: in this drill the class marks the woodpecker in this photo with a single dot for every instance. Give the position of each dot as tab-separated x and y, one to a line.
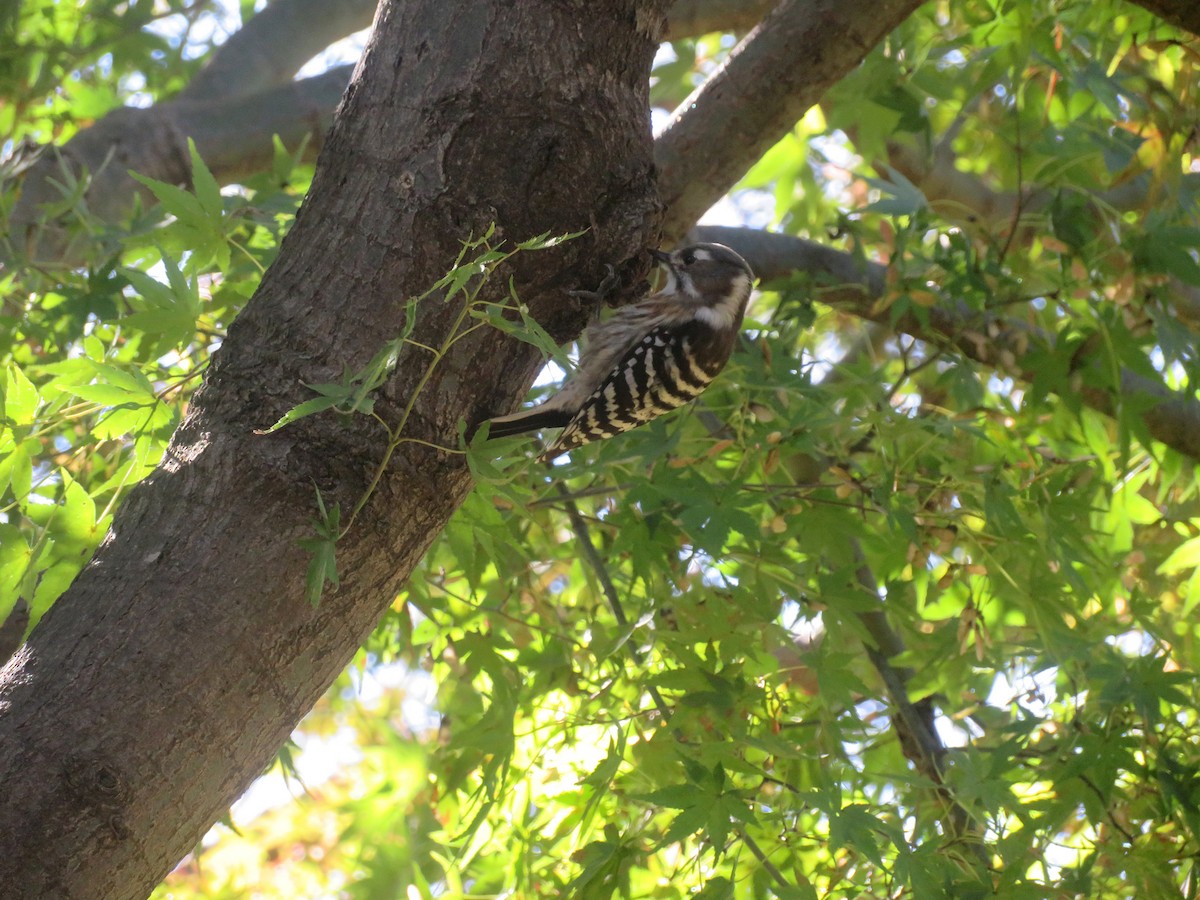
650	357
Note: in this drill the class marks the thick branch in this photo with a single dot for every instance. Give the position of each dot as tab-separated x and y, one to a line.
233	136
1173	419
273	45
764	87
964	196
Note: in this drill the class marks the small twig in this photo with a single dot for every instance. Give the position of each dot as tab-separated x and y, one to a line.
762	859
608	588
1108	810
563	494
496	610
910	371
1019	206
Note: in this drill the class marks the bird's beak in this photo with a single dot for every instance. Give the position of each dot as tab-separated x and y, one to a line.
661	257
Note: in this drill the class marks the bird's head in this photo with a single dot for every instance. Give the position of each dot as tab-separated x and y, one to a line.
711	278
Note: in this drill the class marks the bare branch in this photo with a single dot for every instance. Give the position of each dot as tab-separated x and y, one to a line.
1169	417
272	46
759	94
689	18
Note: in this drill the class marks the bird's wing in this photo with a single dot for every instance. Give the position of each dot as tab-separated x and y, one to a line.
654	376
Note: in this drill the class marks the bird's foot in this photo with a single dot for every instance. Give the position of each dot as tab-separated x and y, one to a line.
607	288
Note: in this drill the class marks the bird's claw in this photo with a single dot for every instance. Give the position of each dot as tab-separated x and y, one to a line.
610	283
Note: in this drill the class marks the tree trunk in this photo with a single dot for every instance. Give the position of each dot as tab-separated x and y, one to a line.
171	671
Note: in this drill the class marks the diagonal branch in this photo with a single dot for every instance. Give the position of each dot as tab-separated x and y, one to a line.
951	190
914	722
1170	417
780	70
600	570
273	45
591	556
1183	14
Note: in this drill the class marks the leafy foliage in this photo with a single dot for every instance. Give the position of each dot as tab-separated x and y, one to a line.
870	619
477	262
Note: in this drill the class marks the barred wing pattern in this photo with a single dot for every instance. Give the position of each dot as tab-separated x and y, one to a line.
664	370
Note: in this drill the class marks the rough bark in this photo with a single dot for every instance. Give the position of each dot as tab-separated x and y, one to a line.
171	671
1183	14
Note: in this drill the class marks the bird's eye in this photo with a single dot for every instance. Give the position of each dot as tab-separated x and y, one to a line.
689	257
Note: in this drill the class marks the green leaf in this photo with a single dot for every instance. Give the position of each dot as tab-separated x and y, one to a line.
20	398
544	241
200	215
1183	558
174	200
51	583
15	557
208	192
685	824
679	796
170	309
900	196
853	827
322	568
76	521
307	408
1169	250
114	386
16	470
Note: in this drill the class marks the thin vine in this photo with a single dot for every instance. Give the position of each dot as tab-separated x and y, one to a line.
355	393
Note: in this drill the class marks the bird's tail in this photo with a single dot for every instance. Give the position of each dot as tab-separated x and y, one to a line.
528	420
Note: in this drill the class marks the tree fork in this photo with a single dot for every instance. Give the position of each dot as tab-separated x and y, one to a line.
167	676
